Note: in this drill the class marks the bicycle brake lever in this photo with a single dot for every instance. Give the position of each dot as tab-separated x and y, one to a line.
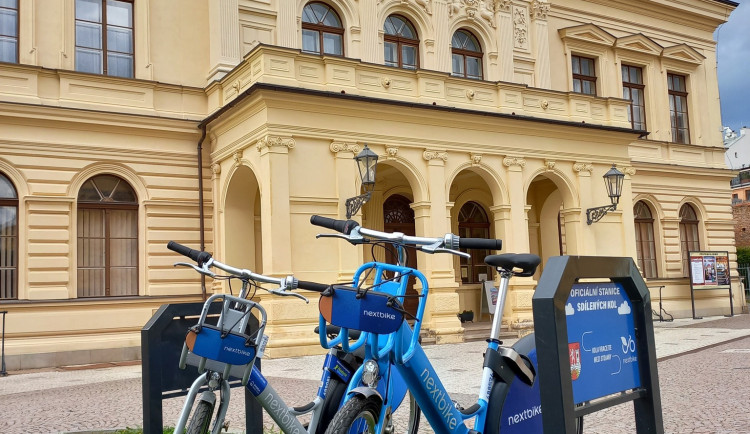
453	252
285	293
200	270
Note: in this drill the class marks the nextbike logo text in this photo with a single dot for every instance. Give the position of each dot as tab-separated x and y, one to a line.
378	314
443	404
239	351
525	415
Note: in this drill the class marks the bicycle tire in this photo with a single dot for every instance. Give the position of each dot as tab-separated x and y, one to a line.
201	418
334	396
415	414
359	415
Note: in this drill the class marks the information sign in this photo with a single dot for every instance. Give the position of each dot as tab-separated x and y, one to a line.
601	341
710	270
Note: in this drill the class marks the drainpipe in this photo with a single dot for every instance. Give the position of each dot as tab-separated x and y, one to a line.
203	128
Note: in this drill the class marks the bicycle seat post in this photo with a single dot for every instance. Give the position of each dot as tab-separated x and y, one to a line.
497	320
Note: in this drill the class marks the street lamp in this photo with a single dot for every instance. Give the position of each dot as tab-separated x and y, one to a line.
613	181
366	162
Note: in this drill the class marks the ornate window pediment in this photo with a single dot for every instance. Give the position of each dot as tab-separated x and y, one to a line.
683	53
587	33
640	44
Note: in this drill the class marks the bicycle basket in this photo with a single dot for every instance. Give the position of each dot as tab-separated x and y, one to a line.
232	349
374	312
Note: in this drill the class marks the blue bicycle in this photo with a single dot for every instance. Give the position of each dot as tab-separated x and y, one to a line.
508	401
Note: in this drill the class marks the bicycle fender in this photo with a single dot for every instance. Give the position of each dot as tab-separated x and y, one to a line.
209	397
366	392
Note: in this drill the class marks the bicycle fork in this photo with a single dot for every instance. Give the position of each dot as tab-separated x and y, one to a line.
214	381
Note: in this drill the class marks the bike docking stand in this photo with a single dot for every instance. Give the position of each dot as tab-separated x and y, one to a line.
595	342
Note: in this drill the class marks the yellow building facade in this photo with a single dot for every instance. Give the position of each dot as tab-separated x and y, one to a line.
231	122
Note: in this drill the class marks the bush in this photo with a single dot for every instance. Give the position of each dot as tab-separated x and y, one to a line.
743	255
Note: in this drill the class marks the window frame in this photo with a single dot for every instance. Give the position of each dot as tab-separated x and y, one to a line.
400	41
107	207
322	29
634	85
12	202
470	263
104	50
17	37
468	53
683	96
644	255
688	227
581	77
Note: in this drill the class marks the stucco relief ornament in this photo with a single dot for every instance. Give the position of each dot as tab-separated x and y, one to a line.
216	169
426	4
549	165
470	94
337	147
391	152
514	161
475	159
539	9
435	155
488	12
386	82
503	5
630	171
237	157
580	168
272	141
519	26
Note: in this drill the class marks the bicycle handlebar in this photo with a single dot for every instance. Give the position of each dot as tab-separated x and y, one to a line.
196	255
354	231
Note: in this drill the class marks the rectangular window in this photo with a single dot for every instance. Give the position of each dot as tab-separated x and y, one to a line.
9	31
678	110
104	37
633	90
584	75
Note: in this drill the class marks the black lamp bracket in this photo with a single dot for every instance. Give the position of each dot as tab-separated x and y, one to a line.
353	204
593	215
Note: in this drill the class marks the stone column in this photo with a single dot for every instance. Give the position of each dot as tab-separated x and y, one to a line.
224	38
275	204
628	218
347	176
588	242
438	268
539	11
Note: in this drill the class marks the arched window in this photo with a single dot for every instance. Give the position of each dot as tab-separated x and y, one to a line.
473	223
467	55
688	235
107	238
8	239
644	239
321	27
401	43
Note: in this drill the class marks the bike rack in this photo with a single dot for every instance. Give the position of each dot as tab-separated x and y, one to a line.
162	339
3	372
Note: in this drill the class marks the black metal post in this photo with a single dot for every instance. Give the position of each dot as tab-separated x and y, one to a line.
3	372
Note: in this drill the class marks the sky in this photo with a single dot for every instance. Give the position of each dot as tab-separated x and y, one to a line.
734	67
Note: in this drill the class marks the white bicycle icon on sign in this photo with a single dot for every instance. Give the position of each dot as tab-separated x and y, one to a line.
628	345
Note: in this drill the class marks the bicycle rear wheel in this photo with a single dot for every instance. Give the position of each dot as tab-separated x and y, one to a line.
201	418
358	416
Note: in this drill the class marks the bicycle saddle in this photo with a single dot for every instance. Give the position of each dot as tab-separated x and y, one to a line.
510	261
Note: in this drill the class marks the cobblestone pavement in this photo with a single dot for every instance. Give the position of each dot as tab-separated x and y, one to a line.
704	371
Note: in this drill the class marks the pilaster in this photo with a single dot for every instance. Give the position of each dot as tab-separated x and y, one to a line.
583	170
346	186
518	236
539	11
224	37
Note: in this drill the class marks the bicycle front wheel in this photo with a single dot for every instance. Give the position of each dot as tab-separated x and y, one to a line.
358	416
201	418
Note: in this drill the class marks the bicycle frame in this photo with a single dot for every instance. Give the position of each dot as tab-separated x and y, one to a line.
402	350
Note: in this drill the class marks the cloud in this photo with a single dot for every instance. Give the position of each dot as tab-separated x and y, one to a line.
733	51
624	308
569	309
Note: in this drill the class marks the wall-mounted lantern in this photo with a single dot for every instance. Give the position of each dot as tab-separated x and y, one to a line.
367	162
613	181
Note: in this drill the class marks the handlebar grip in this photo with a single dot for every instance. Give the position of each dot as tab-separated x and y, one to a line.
311	286
196	255
480	243
343	226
